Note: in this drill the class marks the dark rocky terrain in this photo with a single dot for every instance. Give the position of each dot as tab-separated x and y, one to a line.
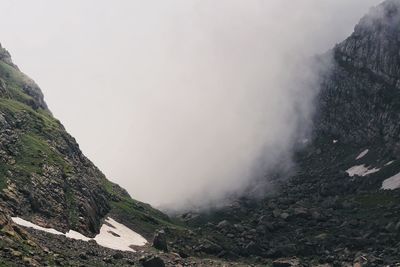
320	216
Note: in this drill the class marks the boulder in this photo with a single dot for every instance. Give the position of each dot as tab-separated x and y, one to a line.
160	241
293	262
152	261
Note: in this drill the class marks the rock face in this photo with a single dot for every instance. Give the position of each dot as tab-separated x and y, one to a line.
359	99
44	175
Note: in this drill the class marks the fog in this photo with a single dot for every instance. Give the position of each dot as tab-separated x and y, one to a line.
182	102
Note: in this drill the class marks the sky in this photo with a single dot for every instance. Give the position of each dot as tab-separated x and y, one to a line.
178	101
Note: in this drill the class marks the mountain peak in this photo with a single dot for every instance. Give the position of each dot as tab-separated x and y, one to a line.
5	56
383	18
375	43
17	86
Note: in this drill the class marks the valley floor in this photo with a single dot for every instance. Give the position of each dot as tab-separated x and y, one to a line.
29	247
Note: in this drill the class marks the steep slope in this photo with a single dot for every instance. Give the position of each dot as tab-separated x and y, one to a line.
43	174
334	210
360	100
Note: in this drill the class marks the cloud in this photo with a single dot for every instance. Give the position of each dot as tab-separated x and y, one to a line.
181	102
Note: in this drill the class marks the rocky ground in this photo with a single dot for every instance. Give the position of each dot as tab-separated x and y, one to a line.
318	218
20	246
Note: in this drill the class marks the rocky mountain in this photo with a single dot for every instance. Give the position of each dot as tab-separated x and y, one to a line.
44	175
341	206
46	180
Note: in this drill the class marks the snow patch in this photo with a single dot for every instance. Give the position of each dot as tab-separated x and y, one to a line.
112	234
25	223
335	141
390	162
76	235
391	183
371	171
118	236
361	170
362	154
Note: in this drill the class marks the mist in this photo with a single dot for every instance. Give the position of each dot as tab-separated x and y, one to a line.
180	102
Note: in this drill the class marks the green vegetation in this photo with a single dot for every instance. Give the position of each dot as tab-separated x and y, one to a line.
13	76
34	152
3	181
140	216
15	81
73	215
374	200
40	121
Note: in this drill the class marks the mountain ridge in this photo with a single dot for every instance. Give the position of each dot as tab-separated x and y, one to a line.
36	146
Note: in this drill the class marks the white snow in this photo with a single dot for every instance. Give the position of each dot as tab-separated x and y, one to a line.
25	223
361	170
362	154
122	238
390	162
371	171
76	235
335	141
392	183
117	236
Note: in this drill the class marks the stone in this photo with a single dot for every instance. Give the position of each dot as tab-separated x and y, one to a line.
160	241
284	215
293	262
301	212
152	261
223	224
118	256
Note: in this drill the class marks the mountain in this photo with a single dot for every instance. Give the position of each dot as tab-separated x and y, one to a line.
340	207
45	180
44	175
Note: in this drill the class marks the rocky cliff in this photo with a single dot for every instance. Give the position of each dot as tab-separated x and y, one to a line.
359	102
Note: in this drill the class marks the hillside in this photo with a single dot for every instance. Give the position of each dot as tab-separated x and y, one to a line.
46	180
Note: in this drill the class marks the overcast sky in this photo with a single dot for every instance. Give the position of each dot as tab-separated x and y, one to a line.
174	99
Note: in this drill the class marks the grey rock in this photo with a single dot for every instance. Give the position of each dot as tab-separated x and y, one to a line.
160	241
152	261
